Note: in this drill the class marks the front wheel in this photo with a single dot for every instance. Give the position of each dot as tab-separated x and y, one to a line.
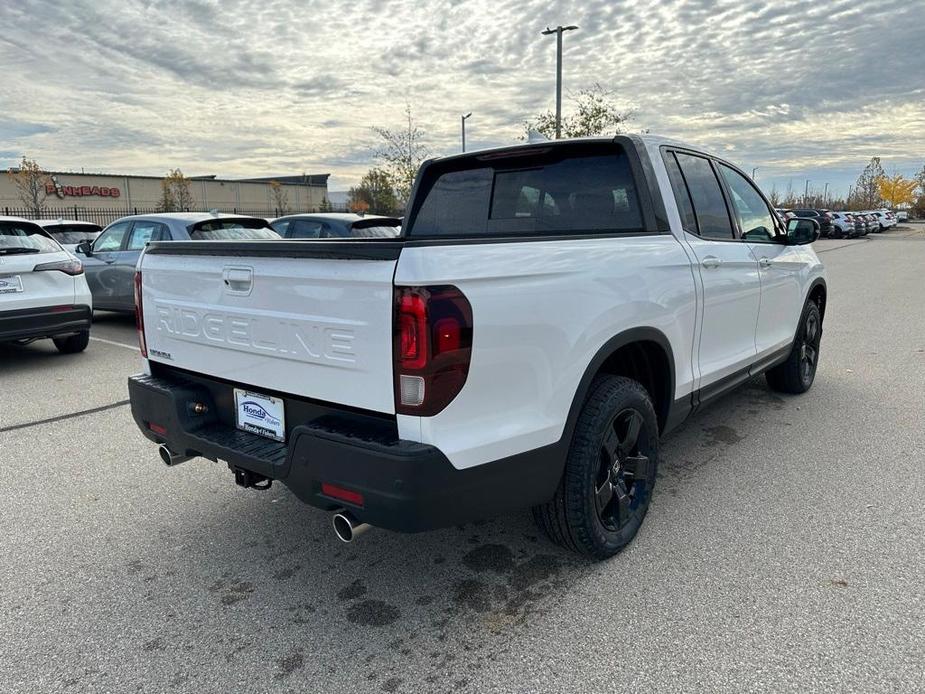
796	375
73	343
609	475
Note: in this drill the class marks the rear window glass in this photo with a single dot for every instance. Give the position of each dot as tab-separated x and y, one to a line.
18	239
578	189
232	230
375	229
73	233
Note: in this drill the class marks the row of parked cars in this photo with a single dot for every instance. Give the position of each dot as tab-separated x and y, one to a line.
844	225
89	260
53	273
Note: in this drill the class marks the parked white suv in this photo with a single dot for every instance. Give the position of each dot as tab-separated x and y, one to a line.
43	292
547	313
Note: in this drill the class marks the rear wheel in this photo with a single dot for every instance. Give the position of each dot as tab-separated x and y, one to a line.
609	475
796	375
73	343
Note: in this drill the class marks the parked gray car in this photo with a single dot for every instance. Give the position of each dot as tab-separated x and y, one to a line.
109	261
336	225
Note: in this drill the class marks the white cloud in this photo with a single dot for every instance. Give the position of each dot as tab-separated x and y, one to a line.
243	88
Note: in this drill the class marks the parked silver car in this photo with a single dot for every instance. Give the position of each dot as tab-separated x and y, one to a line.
336	225
110	259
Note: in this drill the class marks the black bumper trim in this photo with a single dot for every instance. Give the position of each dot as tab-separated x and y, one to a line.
406	486
45	321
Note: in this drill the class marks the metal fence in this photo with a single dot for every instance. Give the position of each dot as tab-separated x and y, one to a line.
104	216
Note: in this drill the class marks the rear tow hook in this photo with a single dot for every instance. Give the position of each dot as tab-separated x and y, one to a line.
251	480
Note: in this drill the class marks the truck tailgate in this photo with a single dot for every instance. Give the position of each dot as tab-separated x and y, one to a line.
275	315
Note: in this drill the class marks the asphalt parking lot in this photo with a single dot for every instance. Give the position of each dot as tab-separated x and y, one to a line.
784	550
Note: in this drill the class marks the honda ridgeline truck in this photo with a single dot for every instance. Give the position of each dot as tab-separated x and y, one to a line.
546	314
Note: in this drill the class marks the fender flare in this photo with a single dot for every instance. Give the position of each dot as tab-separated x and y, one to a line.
639	334
818	282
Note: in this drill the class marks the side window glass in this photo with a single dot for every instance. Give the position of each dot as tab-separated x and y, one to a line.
111	239
142	234
753	214
707	197
281	226
681	196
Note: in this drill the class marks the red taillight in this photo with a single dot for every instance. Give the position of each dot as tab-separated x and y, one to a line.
412	329
140	316
348	495
433	347
157	429
68	267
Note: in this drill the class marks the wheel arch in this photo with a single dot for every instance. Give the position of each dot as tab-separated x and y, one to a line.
641	353
818	294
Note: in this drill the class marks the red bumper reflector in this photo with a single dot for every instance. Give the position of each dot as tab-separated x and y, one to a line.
347	495
157	429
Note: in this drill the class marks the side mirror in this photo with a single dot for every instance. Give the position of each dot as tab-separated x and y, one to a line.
802	231
85	248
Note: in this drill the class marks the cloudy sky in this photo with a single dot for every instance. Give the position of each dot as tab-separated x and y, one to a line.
236	87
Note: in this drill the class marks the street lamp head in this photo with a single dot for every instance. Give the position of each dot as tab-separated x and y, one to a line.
569	28
467	115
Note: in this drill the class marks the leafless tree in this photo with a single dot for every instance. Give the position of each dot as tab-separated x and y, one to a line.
30	180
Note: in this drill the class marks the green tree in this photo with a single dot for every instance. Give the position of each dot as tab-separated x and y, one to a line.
594	112
375	193
30	180
401	153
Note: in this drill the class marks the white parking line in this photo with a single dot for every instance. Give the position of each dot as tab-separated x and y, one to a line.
134	348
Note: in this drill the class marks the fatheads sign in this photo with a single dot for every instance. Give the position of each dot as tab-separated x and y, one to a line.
53	187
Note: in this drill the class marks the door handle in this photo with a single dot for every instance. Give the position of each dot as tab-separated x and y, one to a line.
238	280
765	262
711	262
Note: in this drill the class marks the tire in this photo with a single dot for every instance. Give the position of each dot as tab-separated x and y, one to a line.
73	343
796	375
609	475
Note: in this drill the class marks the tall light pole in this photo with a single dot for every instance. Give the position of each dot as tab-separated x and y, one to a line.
825	196
462	120
558	31
754	171
806	193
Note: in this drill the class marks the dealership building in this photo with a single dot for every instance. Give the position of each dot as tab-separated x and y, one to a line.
74	193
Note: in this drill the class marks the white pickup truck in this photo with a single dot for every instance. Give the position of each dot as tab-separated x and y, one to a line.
547	313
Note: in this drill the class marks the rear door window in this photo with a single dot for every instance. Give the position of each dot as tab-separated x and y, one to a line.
586	188
143	233
681	195
112	237
707	197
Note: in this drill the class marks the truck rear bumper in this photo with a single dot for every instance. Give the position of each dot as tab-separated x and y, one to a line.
50	321
403	485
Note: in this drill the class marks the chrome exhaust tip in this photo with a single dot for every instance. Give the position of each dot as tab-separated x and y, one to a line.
347	528
170	458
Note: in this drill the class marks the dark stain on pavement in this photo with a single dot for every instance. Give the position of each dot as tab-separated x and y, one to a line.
237	592
372	613
721	434
289	663
392	684
355	590
496	558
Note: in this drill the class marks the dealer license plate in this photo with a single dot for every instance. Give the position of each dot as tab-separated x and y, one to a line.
260	414
10	284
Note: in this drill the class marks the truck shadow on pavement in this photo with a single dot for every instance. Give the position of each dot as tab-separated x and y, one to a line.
451	598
